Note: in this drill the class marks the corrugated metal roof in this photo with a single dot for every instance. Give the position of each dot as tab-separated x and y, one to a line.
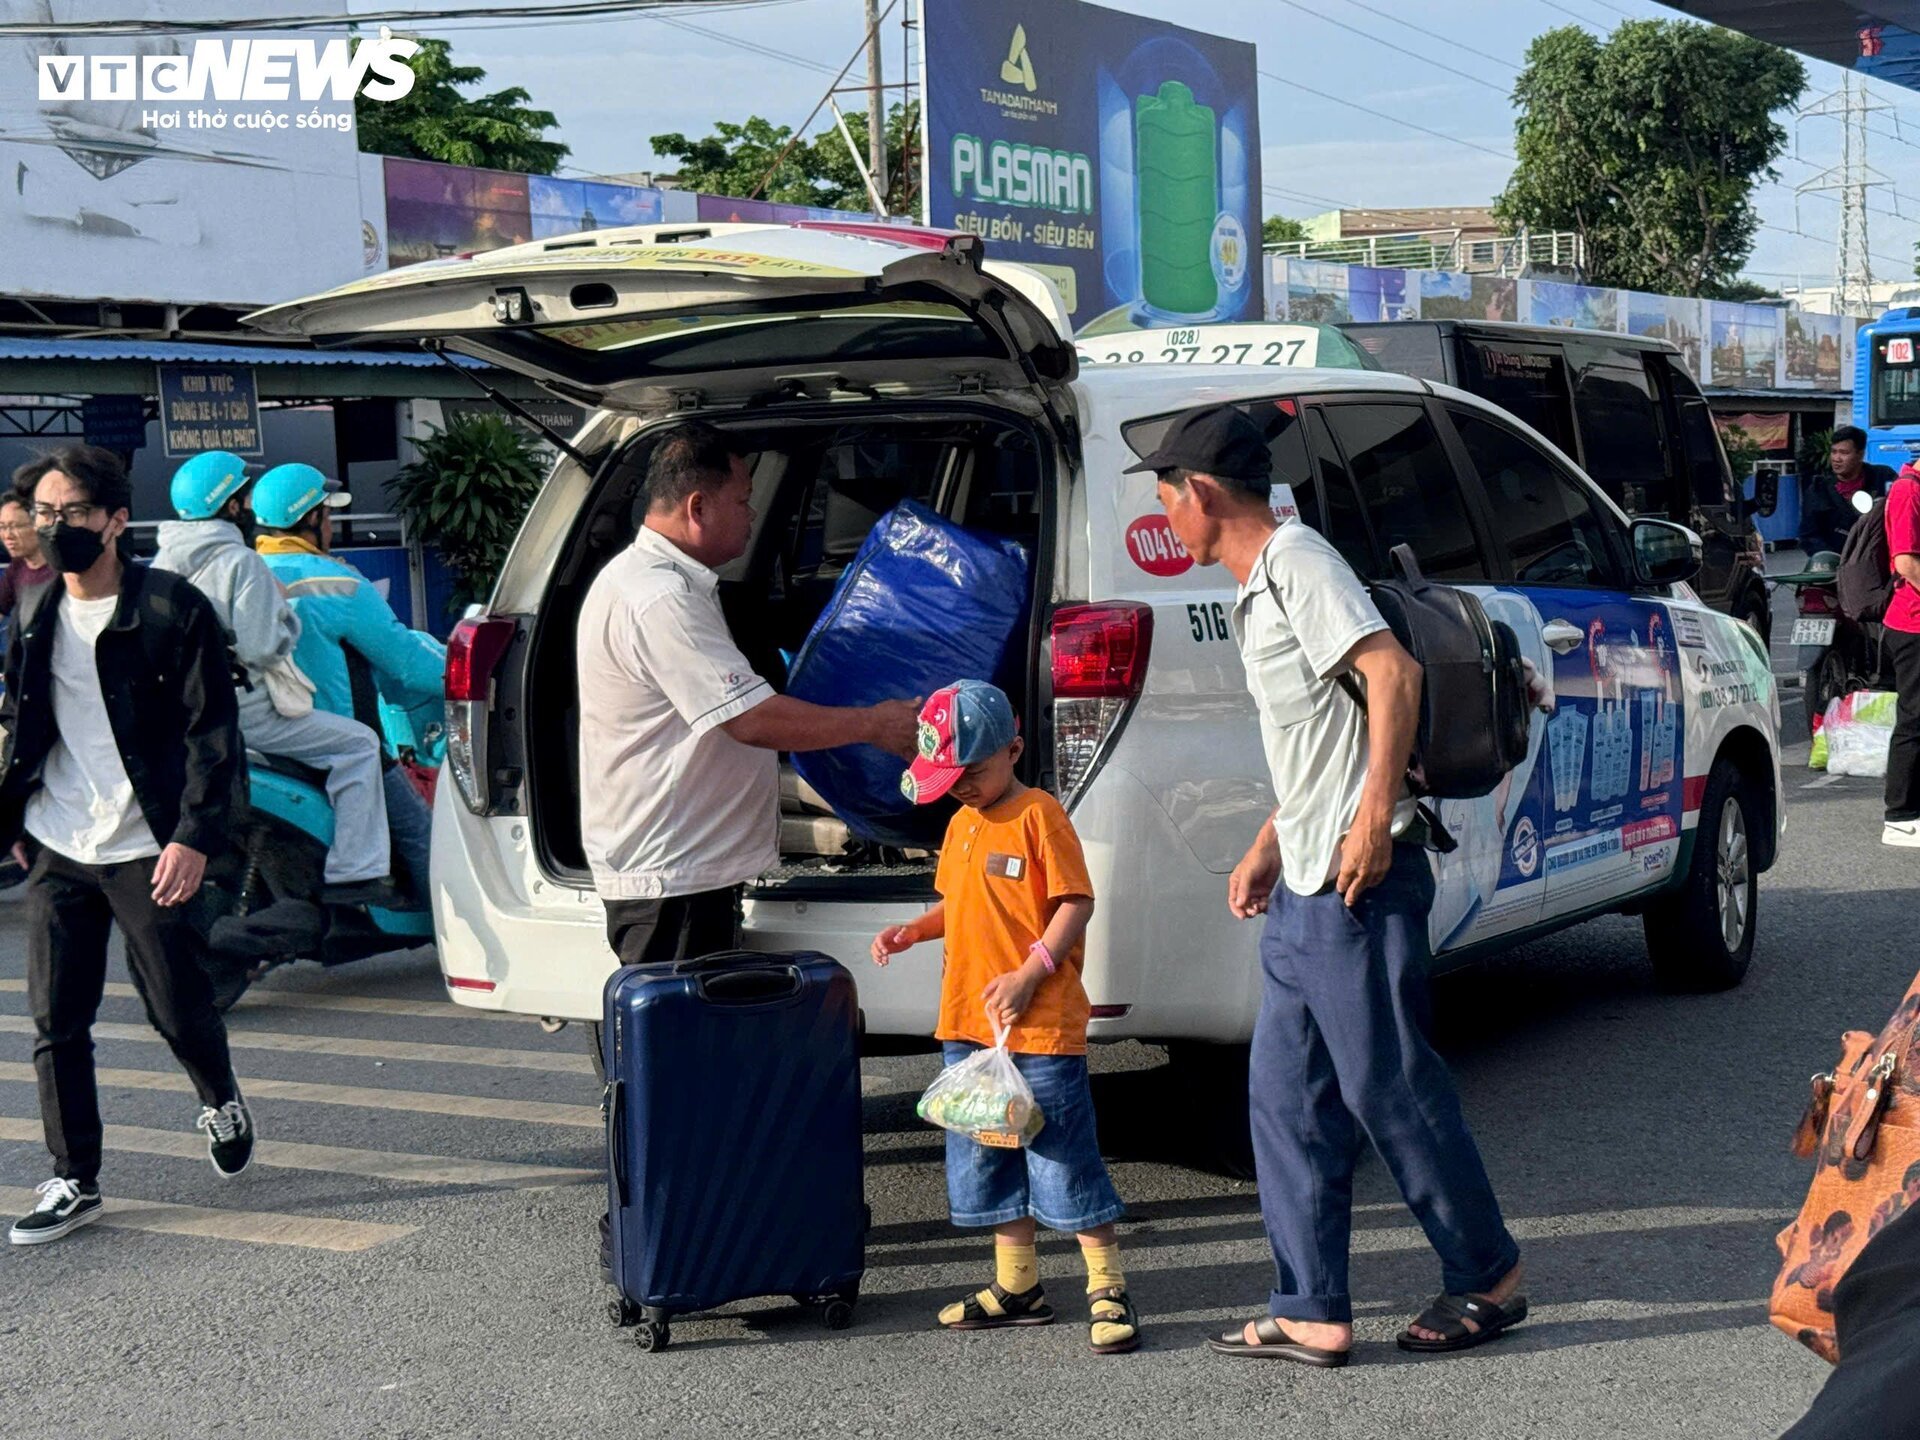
180	352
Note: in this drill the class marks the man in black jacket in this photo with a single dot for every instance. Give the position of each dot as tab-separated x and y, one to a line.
1826	506
122	772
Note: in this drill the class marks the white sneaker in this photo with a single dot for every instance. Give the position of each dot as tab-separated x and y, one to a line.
1904	833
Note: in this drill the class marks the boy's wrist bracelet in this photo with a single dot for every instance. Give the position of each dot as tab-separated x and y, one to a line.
1039	947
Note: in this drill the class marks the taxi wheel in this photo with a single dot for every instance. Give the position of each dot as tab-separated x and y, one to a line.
1701	936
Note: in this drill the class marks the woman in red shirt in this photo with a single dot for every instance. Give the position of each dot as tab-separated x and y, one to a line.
1903	650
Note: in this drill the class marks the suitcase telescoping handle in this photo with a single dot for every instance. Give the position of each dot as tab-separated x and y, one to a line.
617	1139
742	977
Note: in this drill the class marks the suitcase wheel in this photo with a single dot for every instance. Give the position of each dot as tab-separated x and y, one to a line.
837	1314
652	1335
623	1312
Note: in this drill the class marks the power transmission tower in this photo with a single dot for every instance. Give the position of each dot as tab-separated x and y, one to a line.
876	102
1851	179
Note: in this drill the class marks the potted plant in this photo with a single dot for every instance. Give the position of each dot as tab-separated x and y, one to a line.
467	493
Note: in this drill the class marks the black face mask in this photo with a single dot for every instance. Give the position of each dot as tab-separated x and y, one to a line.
71	549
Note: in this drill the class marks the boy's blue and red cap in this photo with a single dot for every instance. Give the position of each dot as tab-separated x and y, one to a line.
960	725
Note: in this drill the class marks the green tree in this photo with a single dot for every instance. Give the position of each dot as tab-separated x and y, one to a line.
1648	144
818	170
434	121
1281	228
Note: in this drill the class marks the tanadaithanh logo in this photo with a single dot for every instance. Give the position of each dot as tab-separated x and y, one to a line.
1017	68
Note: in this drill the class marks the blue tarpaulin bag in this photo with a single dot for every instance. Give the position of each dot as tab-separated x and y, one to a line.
924	603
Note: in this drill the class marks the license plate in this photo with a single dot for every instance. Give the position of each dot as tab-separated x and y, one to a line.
1813	632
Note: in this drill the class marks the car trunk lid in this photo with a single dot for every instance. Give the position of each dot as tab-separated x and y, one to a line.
662	317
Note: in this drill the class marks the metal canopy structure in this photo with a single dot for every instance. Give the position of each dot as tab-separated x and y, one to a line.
1880	38
58	366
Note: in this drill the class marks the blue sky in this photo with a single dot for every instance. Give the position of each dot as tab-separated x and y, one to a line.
615	82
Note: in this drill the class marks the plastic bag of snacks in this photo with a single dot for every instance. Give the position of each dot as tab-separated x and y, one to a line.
1859	731
985	1098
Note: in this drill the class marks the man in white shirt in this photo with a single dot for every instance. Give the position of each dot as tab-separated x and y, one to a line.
1340	1051
122	770
679	738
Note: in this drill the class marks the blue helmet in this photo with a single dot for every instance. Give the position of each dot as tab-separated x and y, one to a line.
205	483
287	492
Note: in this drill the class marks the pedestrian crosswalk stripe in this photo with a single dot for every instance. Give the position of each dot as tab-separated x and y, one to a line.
561	1062
420	1102
267	998
259	1227
333	1159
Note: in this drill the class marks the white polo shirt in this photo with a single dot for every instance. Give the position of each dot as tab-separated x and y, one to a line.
1300	612
670	804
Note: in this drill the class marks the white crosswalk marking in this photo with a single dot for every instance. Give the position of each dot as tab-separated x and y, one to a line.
271	999
253	1226
366	1097
333	1159
559	1061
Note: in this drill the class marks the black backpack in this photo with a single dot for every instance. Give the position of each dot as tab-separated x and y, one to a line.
1474	711
1865	576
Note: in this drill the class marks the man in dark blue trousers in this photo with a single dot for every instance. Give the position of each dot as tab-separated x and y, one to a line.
1340	1051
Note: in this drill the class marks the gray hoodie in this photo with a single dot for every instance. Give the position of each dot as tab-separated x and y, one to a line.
211	556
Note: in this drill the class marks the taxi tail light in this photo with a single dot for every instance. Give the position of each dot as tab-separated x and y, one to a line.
474	650
1099	668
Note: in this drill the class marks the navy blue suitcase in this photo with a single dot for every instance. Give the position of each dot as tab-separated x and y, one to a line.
733	1137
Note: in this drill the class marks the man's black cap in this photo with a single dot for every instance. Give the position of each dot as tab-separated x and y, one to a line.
1217	440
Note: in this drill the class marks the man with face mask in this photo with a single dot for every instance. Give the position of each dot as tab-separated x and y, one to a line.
210	546
121	775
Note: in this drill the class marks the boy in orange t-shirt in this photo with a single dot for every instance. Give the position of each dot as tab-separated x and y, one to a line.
1014	903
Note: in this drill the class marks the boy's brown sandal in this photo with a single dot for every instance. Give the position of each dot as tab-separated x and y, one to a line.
995	1308
1113	1306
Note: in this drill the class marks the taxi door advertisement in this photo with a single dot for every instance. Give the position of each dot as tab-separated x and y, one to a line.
1615	763
1594	811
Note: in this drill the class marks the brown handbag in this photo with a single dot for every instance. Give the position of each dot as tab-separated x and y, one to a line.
1862	1127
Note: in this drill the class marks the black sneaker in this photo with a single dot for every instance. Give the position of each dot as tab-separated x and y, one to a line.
64	1207
230	1134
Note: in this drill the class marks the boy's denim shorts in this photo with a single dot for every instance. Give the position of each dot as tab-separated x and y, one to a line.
1060	1179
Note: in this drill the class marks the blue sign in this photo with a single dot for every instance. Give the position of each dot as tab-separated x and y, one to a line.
209	407
1118	155
114	422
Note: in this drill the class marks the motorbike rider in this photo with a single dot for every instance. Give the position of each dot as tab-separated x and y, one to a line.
1826	507
209	547
339	608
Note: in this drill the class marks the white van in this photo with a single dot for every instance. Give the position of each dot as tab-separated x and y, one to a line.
861	367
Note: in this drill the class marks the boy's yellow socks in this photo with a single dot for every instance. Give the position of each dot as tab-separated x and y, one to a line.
1016	1267
1103	1267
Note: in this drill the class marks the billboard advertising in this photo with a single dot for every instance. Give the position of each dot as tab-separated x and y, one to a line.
1119	155
436	211
170	168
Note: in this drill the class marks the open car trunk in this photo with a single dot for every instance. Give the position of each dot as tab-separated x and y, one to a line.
823	476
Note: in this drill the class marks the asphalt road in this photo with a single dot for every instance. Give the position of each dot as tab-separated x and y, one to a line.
411	1255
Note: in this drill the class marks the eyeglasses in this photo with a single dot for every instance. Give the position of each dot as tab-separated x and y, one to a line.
15	527
77	513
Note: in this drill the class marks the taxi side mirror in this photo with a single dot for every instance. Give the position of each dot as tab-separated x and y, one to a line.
1664	553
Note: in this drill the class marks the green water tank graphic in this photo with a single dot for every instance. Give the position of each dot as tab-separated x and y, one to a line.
1176	153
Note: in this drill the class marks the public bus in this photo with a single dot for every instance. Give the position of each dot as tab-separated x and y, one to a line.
1886	386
